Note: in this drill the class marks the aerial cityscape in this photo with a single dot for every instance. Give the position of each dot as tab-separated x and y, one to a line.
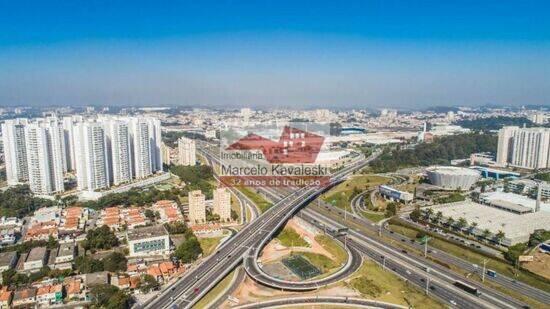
290	155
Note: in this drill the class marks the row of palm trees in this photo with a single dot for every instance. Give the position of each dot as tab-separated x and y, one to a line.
462	225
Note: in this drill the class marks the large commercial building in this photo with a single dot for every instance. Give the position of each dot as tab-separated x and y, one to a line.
197	207
527	148
150	240
452	178
187	151
516	226
394	194
222	204
103	151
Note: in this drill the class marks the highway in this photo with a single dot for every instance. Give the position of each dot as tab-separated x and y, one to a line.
190	288
444	290
204	276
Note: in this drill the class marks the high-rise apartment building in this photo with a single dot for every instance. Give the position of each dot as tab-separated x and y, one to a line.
68	124
197	207
90	145
15	151
45	157
524	147
187	151
222	204
118	147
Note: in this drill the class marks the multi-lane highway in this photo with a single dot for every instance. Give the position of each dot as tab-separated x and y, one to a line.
444	290
200	279
413	268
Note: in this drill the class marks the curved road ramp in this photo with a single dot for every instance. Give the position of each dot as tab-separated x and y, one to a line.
321	300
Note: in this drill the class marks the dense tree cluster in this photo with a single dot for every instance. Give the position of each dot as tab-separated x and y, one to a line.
18	201
441	151
190	249
100	238
196	177
538	236
113	262
493	123
543	176
171	138
138	197
109	296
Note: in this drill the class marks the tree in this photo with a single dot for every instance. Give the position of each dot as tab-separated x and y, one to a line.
438	216
538	236
499	236
150	214
114	262
189	250
473	226
148	283
86	265
486	234
513	252
100	238
415	215
109	296
461	223
450	221
391	209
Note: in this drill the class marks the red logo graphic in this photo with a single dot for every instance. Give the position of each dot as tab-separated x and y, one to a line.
294	146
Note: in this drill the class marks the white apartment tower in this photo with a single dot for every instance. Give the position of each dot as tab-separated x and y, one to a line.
45	154
505	146
91	156
68	124
222	204
15	152
118	147
141	156
197	207
527	148
187	151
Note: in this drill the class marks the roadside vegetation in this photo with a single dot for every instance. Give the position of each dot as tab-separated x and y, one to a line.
372	282
288	237
256	198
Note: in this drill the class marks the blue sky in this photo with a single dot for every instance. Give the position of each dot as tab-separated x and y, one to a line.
275	53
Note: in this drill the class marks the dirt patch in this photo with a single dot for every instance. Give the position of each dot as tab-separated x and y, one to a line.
540	264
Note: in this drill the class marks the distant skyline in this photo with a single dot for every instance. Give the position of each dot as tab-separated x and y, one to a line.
359	54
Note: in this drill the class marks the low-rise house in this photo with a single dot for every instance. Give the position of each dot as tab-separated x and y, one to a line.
11	222
168	211
47	214
8	237
125	282
207	230
8	260
150	240
74	288
34	260
5	298
25	297
49	294
42	231
62	257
